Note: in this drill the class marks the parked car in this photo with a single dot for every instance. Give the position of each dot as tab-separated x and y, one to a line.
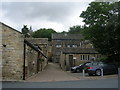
79	68
96	68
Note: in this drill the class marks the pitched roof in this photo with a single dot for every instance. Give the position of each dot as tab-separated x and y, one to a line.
67	36
79	51
10	27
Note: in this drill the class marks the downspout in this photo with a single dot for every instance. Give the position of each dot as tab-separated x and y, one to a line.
24	62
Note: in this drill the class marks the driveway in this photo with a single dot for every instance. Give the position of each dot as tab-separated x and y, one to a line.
54	73
51	73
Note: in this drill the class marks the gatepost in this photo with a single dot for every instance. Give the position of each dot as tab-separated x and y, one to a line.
101	71
83	72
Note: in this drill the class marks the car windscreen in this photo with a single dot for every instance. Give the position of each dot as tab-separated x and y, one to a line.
87	64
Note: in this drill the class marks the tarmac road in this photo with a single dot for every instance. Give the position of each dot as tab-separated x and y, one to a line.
107	83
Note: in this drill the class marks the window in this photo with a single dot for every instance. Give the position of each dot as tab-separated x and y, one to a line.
58	46
68	45
74	45
80	57
84	57
88	57
88	63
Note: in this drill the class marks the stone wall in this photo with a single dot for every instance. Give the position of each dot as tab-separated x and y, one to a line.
19	59
0	52
30	61
12	53
43	44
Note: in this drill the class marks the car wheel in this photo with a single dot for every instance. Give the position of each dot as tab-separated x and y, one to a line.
77	70
98	72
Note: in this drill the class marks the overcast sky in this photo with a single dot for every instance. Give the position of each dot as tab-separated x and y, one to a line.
56	15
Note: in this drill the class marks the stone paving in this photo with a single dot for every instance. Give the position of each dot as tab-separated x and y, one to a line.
53	73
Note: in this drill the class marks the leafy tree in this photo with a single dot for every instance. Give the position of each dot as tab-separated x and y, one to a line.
103	27
43	33
75	29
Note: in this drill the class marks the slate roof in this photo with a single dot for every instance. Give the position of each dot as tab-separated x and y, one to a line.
79	51
66	36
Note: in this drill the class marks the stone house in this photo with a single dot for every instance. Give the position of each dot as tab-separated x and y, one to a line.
12	53
74	56
71	49
60	41
19	58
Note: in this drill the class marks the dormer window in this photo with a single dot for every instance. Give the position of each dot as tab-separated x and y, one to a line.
68	46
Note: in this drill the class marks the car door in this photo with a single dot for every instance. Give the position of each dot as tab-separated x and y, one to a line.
108	69
112	68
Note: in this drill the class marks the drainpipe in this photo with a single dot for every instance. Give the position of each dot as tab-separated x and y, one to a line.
24	62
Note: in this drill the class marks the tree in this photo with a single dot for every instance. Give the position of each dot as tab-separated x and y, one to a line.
44	33
75	30
103	28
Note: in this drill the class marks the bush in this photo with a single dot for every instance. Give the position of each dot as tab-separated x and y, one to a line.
103	59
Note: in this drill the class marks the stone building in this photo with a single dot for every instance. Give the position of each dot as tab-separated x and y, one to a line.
74	56
20	58
60	41
12	53
71	49
0	52
32	57
42	43
50	51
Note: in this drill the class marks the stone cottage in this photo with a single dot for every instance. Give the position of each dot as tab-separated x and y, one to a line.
74	56
12	53
60	41
20	59
71	49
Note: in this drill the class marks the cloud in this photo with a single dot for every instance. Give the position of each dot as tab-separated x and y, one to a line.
57	15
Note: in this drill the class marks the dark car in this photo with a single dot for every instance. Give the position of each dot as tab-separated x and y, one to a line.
79	68
96	68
